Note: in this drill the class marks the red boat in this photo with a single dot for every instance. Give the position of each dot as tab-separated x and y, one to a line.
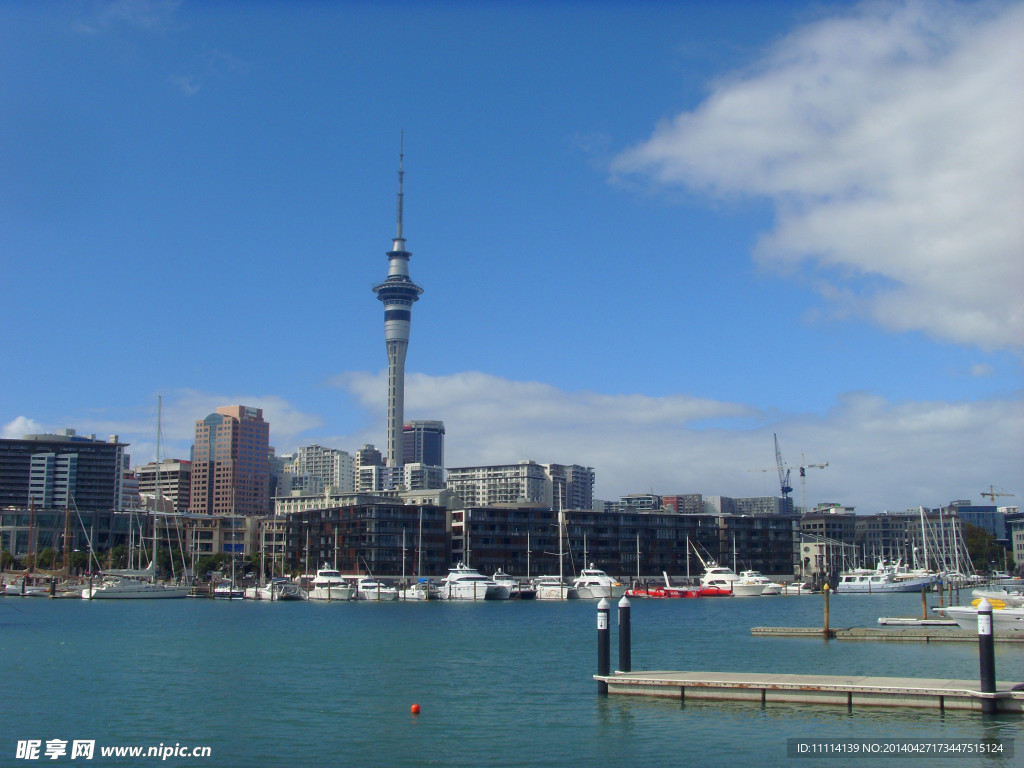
662	592
714	592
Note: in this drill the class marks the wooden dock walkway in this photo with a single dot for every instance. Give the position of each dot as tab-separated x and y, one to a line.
848	691
918	634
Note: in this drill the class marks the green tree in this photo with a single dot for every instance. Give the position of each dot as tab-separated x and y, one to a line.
6	560
984	549
79	560
45	558
118	557
216	562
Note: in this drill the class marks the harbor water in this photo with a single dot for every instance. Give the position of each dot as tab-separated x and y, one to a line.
504	683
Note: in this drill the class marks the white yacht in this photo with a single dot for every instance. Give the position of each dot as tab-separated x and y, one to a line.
279	588
884	578
465	583
225	590
595	583
553	588
24	589
1010	599
722	578
119	586
1003	619
517	590
423	589
369	588
798	588
756	577
330	585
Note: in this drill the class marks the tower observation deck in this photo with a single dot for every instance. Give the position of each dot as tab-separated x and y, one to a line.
397	292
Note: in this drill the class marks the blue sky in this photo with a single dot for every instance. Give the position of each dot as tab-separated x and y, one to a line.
650	235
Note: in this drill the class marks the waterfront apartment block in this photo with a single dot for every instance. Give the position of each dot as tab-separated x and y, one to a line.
523	540
371	535
27	532
174	480
61	471
230	467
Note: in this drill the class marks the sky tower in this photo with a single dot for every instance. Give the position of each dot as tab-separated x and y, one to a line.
398	292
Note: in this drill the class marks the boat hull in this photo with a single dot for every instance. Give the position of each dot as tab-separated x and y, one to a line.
334	592
1003	620
556	592
869	587
663	592
474	591
157	593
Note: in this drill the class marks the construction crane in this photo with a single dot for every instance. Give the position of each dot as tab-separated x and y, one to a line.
803	478
992	493
784	485
785	473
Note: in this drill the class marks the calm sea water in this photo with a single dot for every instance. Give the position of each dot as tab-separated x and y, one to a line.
498	683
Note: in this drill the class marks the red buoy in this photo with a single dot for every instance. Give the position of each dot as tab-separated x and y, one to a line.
415	709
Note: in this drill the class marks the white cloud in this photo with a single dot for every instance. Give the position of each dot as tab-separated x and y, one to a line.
881	455
179	413
889	142
21	426
982	370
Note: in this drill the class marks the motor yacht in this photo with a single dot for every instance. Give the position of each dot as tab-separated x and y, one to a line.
553	588
595	583
279	588
369	588
884	578
718	579
330	585
756	577
1003	619
225	590
516	589
465	583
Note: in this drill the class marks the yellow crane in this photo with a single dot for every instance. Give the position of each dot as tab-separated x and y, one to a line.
992	493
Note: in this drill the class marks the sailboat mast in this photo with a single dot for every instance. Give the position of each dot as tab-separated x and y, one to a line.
156	495
419	548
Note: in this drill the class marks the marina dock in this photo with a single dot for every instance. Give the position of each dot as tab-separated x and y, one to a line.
852	691
907	634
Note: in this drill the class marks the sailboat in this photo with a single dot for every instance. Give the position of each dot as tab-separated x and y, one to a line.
554	587
125	584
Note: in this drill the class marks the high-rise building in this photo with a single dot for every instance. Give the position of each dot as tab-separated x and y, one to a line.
62	471
174	479
525	481
330	465
368	467
423	443
397	292
230	466
573	485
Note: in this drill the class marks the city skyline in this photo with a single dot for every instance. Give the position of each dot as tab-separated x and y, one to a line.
652	236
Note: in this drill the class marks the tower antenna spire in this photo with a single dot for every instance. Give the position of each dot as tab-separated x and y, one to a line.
401	178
